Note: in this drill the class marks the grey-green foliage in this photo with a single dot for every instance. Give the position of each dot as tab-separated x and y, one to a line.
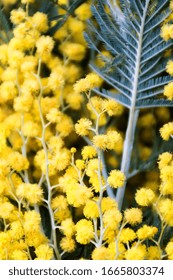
73	5
5	30
131	34
133	39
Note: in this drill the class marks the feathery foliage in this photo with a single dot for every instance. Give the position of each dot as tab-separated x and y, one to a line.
133	39
136	69
5	31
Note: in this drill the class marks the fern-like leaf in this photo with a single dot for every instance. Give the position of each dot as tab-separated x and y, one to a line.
5	30
138	39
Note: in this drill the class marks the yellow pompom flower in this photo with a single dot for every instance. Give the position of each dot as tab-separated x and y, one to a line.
81	86
114	141
17	16
6	209
168	91
68	227
16	230
30	85
146	232
136	253
32	220
18	162
109	235
83	12
77	195
95	182
92	80
166	31
32	192
74	100
73	150
44	45
40	22
35	238
112	218
116	179
165	208
5	239
61	159
62	214
54	115
113	108
116	252
96	103
91	210
28	65
166	173
80	164
59	202
108	203
4	168
83	126
165	159
24	102
9	74
100	253
92	167
15	58
20	32
19	255
153	253
4	54
169	67
67	244
2	138
64	126
100	141
76	26
144	197
31	129
166	131
55	81
8	91
55	143
88	152
84	231
5	187
127	235
169	250
166	188
133	216
73	51
44	252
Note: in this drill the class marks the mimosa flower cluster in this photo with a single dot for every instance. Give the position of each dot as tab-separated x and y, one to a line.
61	148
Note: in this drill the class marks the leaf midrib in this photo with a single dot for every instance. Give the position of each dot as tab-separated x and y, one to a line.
138	60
